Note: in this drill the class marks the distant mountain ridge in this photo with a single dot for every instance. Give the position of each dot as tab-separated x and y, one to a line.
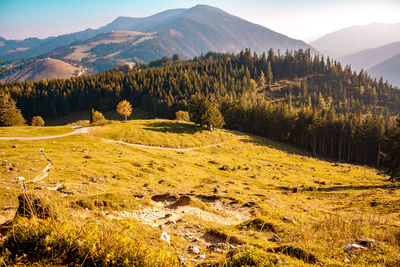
188	32
357	38
388	69
368	58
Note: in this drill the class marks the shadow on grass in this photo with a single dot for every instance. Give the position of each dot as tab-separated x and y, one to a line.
262	141
348	187
173	127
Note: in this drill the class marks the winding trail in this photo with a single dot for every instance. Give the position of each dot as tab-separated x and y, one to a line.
78	130
169	148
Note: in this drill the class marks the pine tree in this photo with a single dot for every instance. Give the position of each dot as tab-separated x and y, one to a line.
270	76
10	115
394	158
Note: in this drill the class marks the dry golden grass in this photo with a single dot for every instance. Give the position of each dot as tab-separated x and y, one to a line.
336	203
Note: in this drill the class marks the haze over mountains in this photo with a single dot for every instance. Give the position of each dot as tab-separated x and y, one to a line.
356	38
188	32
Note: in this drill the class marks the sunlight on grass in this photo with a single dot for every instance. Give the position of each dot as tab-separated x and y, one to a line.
31	131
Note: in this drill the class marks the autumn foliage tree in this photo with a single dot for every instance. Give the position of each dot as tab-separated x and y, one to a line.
394	158
124	108
37	121
96	117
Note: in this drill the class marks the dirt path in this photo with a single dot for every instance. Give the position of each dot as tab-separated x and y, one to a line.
78	130
169	148
45	172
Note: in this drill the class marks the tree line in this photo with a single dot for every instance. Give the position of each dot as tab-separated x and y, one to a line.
305	100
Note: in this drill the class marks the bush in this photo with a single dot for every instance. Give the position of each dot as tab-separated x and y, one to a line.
37	121
96	117
182	116
253	257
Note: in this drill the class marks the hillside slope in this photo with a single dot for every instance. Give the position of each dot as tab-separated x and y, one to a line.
38	69
356	38
257	201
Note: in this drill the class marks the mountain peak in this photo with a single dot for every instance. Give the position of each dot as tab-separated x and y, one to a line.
207	8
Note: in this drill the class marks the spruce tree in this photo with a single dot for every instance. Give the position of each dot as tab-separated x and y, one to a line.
394	158
10	115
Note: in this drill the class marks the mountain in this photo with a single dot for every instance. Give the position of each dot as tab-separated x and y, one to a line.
39	69
388	69
356	38
368	58
188	32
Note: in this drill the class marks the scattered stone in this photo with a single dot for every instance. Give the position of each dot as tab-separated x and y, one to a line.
20	178
290	219
217	191
194	250
295	190
353	247
14	146
346	260
94	180
224	168
182	260
202	256
165	237
366	242
275	238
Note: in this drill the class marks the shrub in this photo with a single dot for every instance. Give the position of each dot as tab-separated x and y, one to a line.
96	117
182	116
253	257
37	121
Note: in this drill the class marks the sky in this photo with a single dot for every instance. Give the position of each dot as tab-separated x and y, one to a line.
300	19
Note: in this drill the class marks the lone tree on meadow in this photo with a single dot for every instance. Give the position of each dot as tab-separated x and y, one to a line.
124	108
37	121
205	112
10	115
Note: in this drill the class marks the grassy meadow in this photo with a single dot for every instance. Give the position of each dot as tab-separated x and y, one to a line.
239	199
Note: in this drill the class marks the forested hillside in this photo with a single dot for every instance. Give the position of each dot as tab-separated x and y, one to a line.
308	101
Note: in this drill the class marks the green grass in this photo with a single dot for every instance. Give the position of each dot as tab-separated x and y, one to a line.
28	131
347	201
163	133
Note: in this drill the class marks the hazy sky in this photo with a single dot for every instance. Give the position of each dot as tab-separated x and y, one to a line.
301	19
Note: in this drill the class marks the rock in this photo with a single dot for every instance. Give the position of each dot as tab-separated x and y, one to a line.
295	189
194	250
353	247
20	178
182	260
290	219
14	146
202	256
366	242
165	237
275	238
346	260
224	168
216	190
94	180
